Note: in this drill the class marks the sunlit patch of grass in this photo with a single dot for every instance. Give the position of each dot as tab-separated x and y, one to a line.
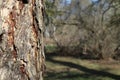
60	71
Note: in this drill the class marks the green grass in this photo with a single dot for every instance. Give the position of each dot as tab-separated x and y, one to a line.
69	68
50	48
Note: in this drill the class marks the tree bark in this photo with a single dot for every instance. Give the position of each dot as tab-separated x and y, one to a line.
21	40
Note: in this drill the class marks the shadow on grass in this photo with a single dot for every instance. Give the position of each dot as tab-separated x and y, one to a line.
90	72
70	76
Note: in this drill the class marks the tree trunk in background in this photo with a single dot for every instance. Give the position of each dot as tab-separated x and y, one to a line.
21	40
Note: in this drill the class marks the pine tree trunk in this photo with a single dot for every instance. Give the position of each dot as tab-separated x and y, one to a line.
21	40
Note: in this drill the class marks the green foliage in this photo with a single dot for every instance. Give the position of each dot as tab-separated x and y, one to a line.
50	48
50	8
51	11
115	20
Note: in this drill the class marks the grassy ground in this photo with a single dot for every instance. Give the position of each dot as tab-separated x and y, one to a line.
69	68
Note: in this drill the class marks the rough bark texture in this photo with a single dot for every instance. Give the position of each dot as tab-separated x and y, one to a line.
21	40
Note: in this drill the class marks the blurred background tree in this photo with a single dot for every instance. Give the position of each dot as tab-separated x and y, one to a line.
84	28
82	39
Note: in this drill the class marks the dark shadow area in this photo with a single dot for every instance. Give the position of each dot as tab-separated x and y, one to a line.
71	51
24	1
70	76
52	74
84	69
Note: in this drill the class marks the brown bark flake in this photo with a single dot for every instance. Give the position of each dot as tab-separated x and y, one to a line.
11	23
